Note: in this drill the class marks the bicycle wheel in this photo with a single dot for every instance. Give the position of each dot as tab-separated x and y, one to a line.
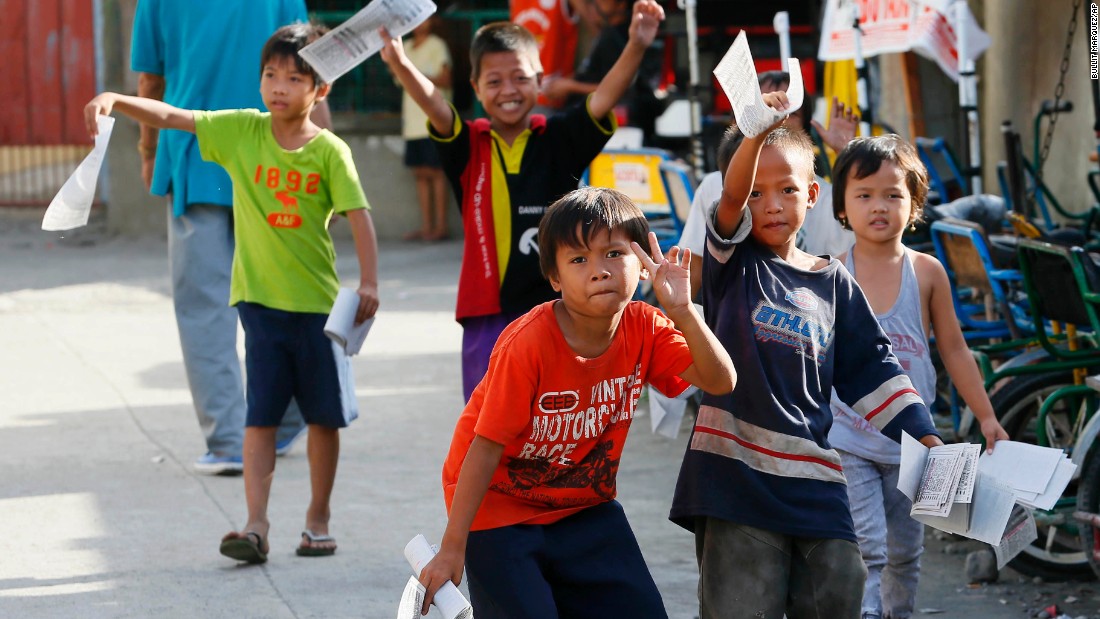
1057	553
1088	500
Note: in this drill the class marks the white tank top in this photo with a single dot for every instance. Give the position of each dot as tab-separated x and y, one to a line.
903	324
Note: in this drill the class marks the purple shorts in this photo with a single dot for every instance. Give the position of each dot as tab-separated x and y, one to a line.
479	336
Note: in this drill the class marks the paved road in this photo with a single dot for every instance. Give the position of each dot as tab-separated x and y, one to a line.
102	516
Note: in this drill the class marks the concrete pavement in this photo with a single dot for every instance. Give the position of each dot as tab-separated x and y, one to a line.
103	517
103	514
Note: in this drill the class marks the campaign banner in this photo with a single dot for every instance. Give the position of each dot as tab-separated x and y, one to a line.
891	26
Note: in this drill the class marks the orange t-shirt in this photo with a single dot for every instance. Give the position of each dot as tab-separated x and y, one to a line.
562	419
554	29
555	32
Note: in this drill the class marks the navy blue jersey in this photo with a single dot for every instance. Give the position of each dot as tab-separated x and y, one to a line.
760	456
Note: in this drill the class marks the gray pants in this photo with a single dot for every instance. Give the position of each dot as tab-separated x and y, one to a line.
751	573
200	253
889	539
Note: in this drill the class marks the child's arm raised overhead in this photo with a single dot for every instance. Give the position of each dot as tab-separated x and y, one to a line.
473	482
956	356
146	111
419	87
741	175
711	369
644	21
366	249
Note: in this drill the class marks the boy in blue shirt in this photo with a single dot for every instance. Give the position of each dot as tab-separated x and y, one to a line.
760	485
507	169
289	177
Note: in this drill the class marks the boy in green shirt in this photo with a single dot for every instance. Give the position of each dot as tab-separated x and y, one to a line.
289	177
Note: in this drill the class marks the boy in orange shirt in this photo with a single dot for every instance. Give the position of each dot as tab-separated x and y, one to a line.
530	477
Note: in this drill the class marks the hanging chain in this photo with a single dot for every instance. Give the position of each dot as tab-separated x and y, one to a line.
1059	91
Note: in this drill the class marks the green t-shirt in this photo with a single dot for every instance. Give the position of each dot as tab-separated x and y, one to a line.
282	203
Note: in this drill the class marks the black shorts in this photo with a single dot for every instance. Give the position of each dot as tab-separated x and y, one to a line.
422	154
587	564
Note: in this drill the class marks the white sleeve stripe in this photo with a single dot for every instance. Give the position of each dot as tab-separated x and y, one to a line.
885	414
873	401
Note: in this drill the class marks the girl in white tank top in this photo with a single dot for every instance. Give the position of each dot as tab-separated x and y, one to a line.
879	190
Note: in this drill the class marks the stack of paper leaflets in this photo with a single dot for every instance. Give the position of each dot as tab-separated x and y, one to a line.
948	480
954	490
1037	475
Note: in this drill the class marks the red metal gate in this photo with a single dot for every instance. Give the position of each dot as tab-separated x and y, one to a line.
48	74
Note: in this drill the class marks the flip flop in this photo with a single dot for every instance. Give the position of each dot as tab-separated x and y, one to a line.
312	538
249	548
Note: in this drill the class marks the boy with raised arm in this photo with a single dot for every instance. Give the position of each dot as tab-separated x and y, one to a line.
760	486
506	169
529	481
289	177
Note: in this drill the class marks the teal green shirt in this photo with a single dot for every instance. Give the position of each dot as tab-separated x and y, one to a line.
208	51
282	203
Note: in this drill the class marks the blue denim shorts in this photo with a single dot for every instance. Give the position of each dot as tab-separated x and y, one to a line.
287	354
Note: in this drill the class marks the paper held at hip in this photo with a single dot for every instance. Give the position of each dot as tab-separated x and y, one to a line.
340	326
449	600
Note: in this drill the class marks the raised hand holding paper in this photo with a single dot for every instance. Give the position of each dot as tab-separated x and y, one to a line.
72	205
357	39
737	76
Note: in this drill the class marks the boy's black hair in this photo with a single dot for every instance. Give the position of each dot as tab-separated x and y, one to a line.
778	80
287	41
731	141
580	214
863	157
795	143
503	36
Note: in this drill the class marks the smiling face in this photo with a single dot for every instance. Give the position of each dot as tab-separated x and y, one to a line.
287	92
507	87
599	279
784	189
879	206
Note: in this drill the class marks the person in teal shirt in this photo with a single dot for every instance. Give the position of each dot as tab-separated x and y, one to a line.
200	54
289	177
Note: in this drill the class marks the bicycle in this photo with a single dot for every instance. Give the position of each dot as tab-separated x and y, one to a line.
1088	487
1041	396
